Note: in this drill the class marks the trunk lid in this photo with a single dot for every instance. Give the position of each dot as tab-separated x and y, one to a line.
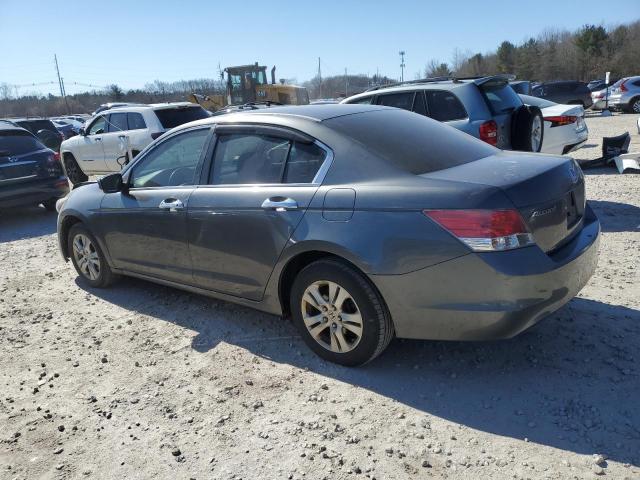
24	167
548	191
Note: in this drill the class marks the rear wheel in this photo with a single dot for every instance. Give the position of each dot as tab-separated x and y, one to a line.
339	314
527	129
634	105
50	205
87	258
74	172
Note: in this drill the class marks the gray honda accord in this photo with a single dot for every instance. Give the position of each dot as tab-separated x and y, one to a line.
359	222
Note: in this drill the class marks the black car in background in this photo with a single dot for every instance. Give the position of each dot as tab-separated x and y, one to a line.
43	129
568	92
30	173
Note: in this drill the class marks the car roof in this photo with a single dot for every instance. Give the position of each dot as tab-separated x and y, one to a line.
146	107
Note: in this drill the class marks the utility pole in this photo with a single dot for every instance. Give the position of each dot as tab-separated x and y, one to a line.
320	78
401	52
61	83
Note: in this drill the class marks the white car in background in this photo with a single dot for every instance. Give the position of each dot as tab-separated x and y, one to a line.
102	145
564	126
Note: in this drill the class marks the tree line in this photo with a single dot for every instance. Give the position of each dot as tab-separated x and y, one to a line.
584	55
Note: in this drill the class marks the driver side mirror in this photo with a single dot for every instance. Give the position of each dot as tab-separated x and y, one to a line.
111	183
82	132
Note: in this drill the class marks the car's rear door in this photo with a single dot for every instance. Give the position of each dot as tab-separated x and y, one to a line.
260	183
145	227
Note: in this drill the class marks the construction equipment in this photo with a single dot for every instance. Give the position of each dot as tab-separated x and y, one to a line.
248	84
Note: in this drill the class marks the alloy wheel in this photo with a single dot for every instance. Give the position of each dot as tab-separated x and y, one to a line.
86	256
332	316
636	106
536	133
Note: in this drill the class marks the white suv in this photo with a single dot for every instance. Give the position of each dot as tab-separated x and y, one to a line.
101	147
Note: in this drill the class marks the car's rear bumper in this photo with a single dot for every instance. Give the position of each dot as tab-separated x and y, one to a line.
490	296
33	192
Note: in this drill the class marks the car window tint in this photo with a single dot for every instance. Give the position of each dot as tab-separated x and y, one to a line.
172	117
402	100
502	98
362	101
117	122
636	83
444	106
135	121
249	159
172	162
419	105
17	142
304	162
99	126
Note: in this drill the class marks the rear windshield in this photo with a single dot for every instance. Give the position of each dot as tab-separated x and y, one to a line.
172	117
411	142
16	142
502	98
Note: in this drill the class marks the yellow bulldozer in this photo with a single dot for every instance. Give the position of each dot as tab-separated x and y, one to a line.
248	84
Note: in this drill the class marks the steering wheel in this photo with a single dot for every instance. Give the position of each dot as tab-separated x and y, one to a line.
175	175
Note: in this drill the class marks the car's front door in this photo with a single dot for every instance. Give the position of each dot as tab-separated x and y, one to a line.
89	151
145	227
259	187
113	141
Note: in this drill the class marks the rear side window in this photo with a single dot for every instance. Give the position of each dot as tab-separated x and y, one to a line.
135	121
412	143
444	106
362	101
172	117
501	97
18	142
117	122
402	100
304	162
419	105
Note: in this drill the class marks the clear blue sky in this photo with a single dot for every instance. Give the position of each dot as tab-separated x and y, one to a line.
137	41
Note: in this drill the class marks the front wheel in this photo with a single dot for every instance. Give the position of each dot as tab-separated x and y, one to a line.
339	314
87	258
73	170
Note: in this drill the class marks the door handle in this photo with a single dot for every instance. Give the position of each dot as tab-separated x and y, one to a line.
171	204
280	204
98	139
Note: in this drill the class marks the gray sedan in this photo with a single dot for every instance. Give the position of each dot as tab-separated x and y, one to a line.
359	222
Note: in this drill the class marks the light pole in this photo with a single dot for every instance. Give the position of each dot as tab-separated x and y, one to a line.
401	52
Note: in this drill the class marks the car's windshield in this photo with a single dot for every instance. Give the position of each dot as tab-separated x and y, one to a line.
536	102
16	142
501	96
411	142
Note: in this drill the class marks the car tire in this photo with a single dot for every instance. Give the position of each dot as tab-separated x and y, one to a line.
87	258
50	205
634	105
73	170
527	129
350	329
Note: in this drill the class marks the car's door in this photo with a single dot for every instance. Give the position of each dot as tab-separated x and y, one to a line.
88	151
144	227
259	186
112	141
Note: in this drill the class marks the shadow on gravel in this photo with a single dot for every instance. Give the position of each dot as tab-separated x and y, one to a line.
26	222
617	217
571	382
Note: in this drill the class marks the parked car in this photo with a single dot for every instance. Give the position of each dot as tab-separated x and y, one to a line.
564	126
487	108
30	173
625	95
361	222
42	128
65	129
522	87
99	148
75	124
109	106
564	92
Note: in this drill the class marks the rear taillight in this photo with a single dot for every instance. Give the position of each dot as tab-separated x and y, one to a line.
155	135
484	230
489	132
559	120
623	87
56	156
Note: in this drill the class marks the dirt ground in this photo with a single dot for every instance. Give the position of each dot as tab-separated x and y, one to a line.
141	381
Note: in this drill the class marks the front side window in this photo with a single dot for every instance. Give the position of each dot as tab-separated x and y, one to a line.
444	106
117	122
249	159
98	126
402	100
173	162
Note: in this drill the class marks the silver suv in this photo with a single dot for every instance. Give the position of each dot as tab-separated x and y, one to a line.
487	108
625	95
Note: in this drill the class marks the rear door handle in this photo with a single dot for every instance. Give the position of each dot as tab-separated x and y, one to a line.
171	204
280	204
98	139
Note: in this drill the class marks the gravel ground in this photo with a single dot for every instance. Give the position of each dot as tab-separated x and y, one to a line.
142	381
